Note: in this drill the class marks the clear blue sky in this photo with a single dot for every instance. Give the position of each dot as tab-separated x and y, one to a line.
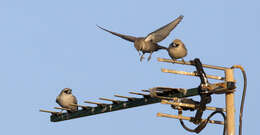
49	45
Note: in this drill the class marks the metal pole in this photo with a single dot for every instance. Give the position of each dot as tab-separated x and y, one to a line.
190	74
189	63
187	118
230	106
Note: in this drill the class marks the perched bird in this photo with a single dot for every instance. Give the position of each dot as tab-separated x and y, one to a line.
66	99
149	44
177	50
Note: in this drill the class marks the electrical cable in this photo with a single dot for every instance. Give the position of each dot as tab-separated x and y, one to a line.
243	96
204	123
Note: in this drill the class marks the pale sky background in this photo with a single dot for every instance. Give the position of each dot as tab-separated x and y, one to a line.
52	44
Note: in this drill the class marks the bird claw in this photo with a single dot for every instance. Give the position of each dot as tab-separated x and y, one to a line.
173	60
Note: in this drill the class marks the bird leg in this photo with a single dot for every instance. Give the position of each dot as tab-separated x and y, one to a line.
183	60
150	56
173	59
142	57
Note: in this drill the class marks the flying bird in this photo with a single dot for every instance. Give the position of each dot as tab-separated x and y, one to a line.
66	100
177	50
149	44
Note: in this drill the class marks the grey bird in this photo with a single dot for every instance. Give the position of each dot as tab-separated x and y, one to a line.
149	44
66	99
177	50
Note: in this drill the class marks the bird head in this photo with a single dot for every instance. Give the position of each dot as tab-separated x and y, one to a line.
67	91
176	43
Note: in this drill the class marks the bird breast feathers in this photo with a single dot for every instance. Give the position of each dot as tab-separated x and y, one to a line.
68	98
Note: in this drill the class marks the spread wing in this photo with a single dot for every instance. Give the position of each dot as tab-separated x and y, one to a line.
161	33
126	37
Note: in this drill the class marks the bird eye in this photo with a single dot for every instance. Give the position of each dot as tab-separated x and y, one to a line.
176	44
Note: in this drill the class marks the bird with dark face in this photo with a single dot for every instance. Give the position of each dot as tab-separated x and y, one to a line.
66	100
177	50
149	44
